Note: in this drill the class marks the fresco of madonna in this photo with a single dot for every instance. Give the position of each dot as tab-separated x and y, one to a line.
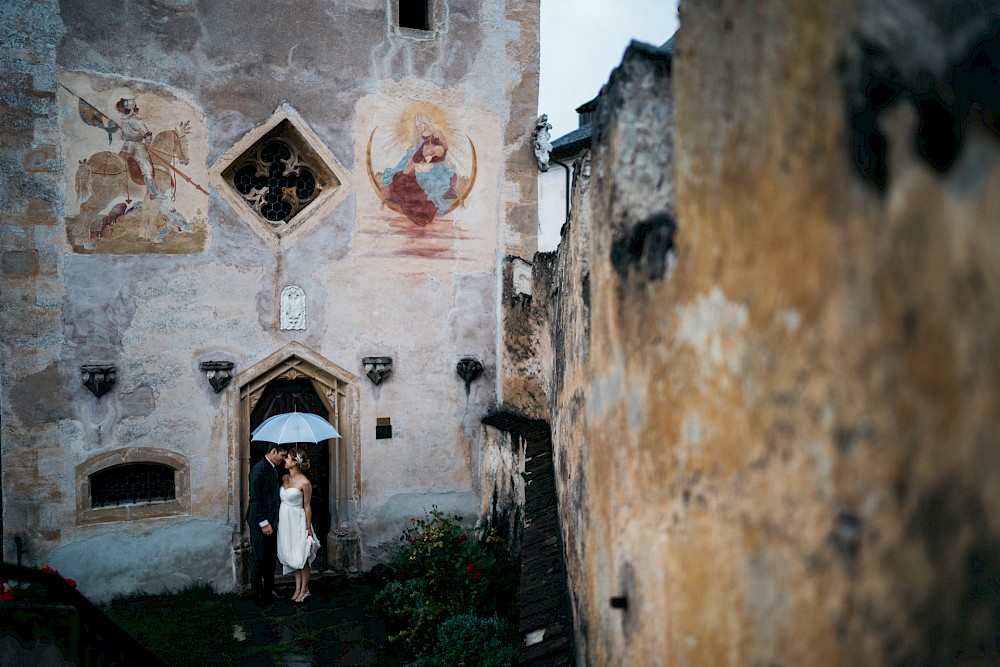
424	184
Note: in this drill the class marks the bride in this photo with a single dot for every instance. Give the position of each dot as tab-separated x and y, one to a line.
297	543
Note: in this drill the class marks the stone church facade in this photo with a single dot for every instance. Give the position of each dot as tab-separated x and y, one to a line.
215	212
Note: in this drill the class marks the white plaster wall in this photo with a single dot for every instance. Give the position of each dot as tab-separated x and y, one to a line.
426	321
156	558
551	207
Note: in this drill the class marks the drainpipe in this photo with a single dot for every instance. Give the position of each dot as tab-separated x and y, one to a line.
568	187
540	144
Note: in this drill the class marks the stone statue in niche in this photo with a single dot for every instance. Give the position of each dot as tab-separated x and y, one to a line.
293	309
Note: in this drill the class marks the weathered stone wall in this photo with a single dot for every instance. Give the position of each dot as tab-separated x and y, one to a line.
36	389
157	302
775	402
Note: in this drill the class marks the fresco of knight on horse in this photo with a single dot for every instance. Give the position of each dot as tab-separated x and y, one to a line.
145	162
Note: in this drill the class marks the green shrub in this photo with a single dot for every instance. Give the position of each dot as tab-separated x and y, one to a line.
412	615
472	641
442	571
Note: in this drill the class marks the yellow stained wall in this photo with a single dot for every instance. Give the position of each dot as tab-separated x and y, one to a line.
780	444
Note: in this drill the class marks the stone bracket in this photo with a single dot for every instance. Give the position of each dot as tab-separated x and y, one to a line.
377	368
219	373
99	378
469	368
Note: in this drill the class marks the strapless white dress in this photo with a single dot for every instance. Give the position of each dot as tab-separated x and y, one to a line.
295	547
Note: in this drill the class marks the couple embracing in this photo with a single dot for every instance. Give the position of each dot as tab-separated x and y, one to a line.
280	520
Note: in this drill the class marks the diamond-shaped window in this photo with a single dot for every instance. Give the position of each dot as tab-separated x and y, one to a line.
281	176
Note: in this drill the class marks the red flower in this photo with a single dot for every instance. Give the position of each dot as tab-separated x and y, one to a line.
7	595
477	575
469	567
71	582
461	539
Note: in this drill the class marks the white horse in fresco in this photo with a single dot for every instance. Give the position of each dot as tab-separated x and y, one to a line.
105	176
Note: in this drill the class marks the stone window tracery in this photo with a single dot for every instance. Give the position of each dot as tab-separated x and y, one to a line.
279	176
275	182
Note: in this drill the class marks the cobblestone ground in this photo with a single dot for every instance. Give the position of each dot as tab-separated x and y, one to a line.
335	626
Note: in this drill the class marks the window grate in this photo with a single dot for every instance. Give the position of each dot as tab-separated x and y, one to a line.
275	182
132	484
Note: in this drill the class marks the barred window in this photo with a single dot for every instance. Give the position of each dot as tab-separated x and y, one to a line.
132	484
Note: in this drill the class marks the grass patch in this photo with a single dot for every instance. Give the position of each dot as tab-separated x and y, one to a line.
192	626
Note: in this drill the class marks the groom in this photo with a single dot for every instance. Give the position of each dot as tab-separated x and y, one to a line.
262	516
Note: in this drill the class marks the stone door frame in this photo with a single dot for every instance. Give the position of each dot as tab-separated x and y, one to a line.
339	392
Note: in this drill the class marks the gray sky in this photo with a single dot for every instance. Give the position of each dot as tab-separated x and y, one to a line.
583	40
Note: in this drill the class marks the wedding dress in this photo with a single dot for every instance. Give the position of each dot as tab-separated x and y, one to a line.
295	547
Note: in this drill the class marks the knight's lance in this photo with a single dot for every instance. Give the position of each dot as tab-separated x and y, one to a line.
163	159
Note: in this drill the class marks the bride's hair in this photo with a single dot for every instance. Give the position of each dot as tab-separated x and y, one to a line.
300	456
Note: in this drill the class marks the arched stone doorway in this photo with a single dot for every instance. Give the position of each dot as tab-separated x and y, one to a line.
297	378
299	395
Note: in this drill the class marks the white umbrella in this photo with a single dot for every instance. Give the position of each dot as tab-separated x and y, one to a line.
294	427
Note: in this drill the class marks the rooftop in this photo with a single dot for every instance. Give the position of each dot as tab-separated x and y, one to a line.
572	143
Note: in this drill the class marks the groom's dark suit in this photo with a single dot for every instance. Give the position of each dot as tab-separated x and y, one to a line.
264	502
